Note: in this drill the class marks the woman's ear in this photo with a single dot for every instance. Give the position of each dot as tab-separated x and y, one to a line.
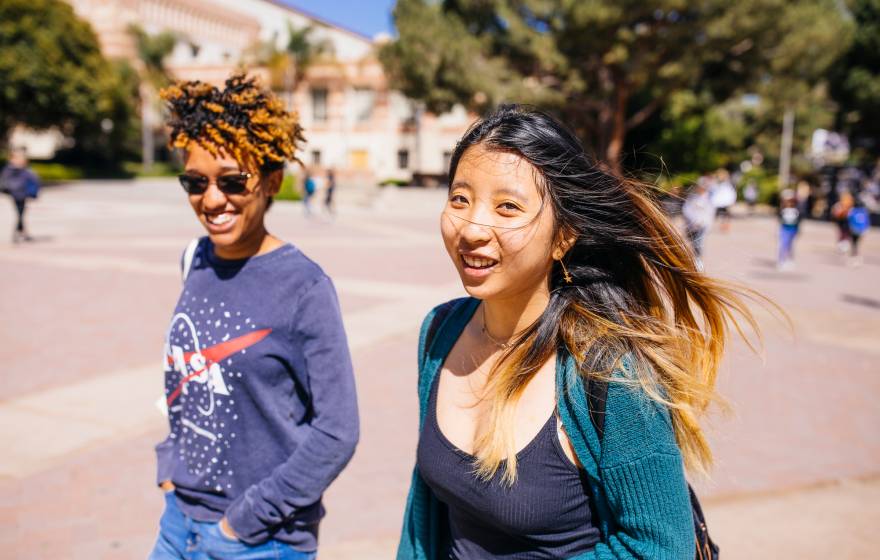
272	182
564	242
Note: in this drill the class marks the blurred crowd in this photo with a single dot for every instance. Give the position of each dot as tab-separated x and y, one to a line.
849	196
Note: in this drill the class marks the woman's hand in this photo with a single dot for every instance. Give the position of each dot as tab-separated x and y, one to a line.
167	486
226	530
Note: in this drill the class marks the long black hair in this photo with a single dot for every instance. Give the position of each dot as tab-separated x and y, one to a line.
634	289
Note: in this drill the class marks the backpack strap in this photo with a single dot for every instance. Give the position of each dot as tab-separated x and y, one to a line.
597	396
188	254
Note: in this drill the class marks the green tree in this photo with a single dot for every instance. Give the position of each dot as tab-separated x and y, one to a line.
605	66
110	136
855	79
53	73
152	51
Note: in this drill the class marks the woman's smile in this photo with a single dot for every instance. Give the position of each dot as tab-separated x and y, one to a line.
477	266
222	222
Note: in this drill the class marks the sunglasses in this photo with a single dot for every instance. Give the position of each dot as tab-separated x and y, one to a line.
228	184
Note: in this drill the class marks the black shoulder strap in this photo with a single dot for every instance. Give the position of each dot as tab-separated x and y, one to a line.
597	395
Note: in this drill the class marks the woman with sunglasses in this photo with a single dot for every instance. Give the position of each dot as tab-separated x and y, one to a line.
258	378
580	287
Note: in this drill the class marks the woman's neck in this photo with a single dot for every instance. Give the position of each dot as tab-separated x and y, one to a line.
260	242
506	317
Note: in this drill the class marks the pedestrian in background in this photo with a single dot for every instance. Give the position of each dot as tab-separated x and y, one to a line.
723	196
258	377
569	272
789	224
840	216
698	213
858	220
309	188
331	189
20	182
750	194
804	198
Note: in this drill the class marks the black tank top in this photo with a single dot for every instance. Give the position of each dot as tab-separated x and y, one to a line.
545	514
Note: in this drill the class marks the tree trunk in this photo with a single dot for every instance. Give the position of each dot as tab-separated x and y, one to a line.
785	148
148	148
618	129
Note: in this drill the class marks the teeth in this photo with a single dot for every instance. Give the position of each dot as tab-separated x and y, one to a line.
478	262
219	219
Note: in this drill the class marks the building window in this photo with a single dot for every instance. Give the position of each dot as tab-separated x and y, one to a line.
319	105
403	159
364	100
316	157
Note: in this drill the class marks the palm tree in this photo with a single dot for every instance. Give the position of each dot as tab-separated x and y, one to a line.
152	52
287	66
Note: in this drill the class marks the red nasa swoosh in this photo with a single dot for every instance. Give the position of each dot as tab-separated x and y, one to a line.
216	354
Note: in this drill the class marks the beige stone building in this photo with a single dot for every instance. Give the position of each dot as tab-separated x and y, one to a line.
355	123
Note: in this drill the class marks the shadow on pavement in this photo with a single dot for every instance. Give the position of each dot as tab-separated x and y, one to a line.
861	300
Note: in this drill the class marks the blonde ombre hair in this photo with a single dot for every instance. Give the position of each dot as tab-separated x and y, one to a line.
635	291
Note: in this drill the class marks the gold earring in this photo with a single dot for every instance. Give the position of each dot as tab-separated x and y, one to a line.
565	275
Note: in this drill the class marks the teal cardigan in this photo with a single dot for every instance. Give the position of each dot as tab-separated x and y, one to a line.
636	473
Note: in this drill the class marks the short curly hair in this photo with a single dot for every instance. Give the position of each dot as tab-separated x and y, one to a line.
243	120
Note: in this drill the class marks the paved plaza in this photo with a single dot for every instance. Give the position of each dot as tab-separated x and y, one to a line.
85	309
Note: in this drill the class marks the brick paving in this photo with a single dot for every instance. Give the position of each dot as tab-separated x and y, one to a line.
86	307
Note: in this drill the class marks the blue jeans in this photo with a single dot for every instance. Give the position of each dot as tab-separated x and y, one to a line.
786	242
183	538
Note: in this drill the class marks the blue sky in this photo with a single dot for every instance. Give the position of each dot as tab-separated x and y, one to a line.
364	16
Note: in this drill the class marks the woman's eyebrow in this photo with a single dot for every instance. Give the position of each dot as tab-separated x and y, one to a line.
500	190
510	192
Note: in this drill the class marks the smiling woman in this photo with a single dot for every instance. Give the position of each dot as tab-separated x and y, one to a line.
237	139
259	386
577	282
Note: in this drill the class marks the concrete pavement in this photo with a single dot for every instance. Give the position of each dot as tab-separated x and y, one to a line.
86	308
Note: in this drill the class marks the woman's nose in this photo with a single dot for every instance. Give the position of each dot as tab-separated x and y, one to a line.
213	197
472	231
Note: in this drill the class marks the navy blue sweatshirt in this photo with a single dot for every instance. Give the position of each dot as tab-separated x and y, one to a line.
260	393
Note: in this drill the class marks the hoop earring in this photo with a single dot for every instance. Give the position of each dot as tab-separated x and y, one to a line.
565	275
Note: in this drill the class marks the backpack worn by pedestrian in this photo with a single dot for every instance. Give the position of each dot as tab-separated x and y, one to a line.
32	185
859	220
706	549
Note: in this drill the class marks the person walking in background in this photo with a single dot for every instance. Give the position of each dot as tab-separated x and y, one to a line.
723	196
331	189
858	220
20	182
698	213
569	271
258	377
803	196
309	188
750	195
840	215
789	223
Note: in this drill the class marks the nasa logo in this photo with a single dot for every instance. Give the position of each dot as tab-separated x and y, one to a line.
185	355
